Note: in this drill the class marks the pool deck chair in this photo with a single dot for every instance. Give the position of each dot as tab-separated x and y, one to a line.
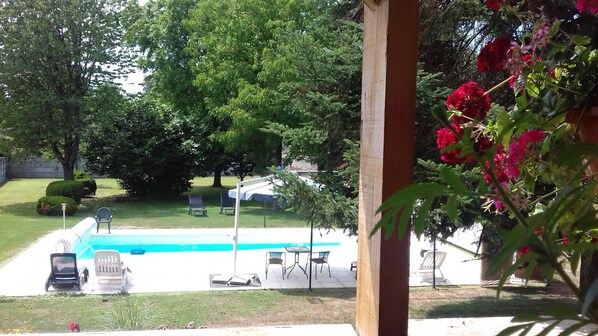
226	203
103	215
64	272
276	258
427	265
196	206
109	268
319	258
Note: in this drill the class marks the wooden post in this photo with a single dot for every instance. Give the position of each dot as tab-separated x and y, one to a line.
387	138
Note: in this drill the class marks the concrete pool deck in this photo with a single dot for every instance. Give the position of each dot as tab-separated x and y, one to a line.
25	274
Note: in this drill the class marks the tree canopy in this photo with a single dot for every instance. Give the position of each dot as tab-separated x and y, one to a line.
51	54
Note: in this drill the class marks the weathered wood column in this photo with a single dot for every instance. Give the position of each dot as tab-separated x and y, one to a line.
387	137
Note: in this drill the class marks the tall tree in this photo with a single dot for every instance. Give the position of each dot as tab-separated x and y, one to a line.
51	53
227	60
317	71
158	29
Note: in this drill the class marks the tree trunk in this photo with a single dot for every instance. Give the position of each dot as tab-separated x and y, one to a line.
69	170
217	178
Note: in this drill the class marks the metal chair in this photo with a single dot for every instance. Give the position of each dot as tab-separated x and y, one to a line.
319	258
276	258
103	215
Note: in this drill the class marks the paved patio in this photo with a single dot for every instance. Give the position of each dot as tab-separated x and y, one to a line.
190	271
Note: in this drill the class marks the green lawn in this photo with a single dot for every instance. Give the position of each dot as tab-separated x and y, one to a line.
217	309
21	225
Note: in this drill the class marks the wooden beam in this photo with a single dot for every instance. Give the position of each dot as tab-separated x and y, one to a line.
372	4
388	119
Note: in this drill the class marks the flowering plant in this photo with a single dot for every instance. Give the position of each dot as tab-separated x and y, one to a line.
534	165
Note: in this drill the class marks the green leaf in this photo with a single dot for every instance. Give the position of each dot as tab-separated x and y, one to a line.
581	40
451	208
453	180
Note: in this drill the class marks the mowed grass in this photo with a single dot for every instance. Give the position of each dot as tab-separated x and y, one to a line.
213	309
21	225
218	309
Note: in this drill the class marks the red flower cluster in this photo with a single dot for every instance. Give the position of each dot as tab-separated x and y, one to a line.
471	100
523	251
74	327
506	165
493	56
473	103
444	138
590	5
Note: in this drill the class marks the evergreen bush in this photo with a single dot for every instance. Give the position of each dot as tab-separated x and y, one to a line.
72	189
89	184
52	206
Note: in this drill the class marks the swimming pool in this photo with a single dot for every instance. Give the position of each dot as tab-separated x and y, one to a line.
165	241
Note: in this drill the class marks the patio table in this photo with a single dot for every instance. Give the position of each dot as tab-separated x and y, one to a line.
297	250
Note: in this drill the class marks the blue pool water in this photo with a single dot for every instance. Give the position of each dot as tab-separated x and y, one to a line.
148	243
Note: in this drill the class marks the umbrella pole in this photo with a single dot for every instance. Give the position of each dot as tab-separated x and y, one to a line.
311	245
264	211
236	231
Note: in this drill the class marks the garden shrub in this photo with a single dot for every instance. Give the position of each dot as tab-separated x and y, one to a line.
89	184
80	175
52	206
72	189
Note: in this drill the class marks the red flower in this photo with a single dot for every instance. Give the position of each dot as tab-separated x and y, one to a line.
494	55
444	138
520	148
470	99
590	5
523	251
495	4
74	327
501	169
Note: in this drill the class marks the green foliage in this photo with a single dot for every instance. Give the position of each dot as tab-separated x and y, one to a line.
320	204
52	206
80	175
72	189
52	54
318	76
89	184
144	146
129	313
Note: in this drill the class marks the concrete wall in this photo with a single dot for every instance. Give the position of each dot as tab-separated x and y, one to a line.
35	167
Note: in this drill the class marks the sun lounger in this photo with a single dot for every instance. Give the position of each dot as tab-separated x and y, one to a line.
109	269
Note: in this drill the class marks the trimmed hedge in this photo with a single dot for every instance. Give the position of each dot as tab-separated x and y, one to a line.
88	183
90	186
52	206
80	175
72	189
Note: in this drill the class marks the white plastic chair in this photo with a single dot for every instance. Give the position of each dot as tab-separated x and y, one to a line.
109	269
